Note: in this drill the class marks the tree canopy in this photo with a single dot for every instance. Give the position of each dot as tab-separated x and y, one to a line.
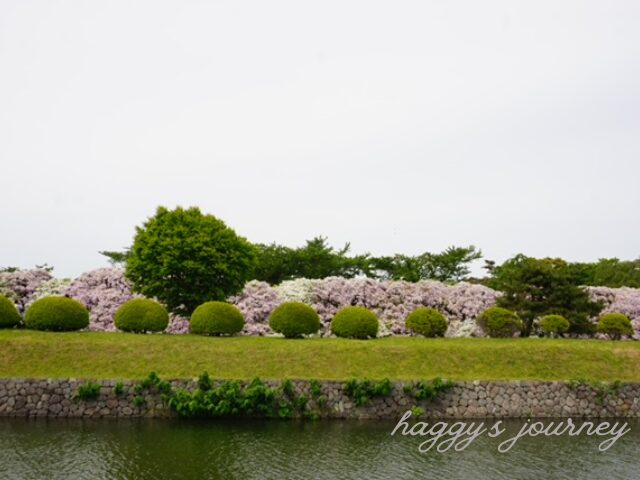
535	287
185	258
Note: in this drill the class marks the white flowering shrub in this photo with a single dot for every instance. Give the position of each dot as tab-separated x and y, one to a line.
298	290
54	286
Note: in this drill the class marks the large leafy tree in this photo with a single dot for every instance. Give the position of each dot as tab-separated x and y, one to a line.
535	287
184	258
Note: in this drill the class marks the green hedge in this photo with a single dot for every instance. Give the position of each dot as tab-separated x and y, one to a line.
216	318
9	316
554	325
294	319
141	315
499	322
426	321
616	325
355	322
56	314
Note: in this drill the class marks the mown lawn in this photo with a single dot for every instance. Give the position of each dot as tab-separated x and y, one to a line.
122	356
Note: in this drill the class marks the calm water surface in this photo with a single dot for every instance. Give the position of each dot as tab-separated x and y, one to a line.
158	449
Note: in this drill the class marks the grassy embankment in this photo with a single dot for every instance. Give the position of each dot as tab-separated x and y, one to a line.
127	356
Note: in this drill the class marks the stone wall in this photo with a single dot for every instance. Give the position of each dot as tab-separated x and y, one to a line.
56	398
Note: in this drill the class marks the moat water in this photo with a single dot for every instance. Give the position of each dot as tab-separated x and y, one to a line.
166	449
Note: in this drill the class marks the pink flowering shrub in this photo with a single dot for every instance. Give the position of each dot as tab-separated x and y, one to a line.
256	302
102	291
620	300
177	324
391	300
463	304
21	286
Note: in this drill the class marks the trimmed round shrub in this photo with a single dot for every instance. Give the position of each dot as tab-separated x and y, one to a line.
615	325
426	321
141	315
499	322
216	318
9	316
56	314
355	322
554	325
294	319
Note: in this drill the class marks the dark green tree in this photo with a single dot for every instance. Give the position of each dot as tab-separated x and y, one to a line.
115	257
275	263
185	258
316	259
451	265
615	273
535	287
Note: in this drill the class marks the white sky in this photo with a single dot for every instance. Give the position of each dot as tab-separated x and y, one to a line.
399	126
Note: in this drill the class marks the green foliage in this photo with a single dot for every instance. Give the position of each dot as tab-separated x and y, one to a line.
116	258
151	381
184	258
416	411
88	391
141	315
231	398
316	259
57	314
9	316
355	322
602	389
499	322
315	388
554	325
606	389
615	325
294	319
451	265
216	318
287	388
118	389
204	382
537	287
363	391
426	321
610	272
424	390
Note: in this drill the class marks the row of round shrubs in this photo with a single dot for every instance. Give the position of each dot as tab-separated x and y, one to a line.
62	314
49	313
291	319
500	322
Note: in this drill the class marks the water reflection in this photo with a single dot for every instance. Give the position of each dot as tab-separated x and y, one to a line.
148	449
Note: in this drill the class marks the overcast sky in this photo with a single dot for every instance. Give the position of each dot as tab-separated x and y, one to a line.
399	126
